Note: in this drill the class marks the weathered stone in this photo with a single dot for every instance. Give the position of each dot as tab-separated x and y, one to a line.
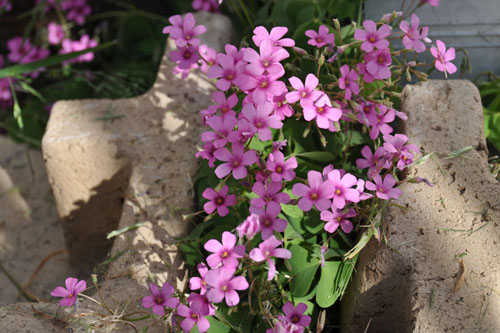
119	163
31	239
416	283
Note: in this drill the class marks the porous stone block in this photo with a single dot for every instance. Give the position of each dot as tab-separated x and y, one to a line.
124	163
31	240
440	271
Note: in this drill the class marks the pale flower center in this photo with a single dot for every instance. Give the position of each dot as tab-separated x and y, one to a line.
225	254
224	288
314	196
279	169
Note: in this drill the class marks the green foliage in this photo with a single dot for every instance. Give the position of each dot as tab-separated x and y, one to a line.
490	95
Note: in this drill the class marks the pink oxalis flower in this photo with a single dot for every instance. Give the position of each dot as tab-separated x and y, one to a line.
414	34
236	161
280	168
384	189
268	194
275	36
373	38
318	193
295	315
342	188
267	249
305	93
73	288
196	283
55	33
268	220
444	58
321	37
224	285
226	253
336	218
160	298
348	81
218	200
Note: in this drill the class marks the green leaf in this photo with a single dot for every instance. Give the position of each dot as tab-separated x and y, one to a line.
292	211
50	61
492	127
216	326
115	233
304	266
320	156
325	295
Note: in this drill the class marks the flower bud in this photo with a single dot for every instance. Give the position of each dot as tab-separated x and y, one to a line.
249	227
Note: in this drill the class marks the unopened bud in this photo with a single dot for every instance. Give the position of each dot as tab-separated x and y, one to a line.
299	50
418	180
321	60
336	24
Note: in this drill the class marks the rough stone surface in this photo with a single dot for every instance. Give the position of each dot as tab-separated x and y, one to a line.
417	283
119	163
31	238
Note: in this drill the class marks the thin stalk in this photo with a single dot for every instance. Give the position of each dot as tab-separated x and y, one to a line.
16	284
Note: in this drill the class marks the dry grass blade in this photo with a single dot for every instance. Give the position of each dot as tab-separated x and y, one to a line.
41	264
461	276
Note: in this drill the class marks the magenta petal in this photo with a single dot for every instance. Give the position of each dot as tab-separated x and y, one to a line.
158	310
280	225
223	170
203	324
222	211
305	204
67	301
300	190
232	298
322	204
213	245
282	253
171	302
148	301
346	226
209	207
70	284
59	292
351	195
215	295
239	283
188	324
239	172
79	287
288	309
228	239
209	194
257	255
272	269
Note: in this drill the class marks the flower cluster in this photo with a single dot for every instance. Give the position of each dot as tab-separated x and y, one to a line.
56	39
189	53
206	5
263	179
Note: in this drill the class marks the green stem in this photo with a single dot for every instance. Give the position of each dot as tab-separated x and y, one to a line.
245	11
16	284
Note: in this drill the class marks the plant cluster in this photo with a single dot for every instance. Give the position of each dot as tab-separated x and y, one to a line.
55	38
278	240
